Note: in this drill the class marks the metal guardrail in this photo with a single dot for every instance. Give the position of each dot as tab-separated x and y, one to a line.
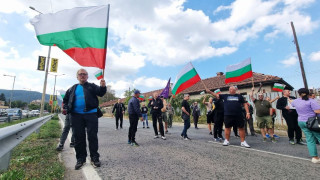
11	136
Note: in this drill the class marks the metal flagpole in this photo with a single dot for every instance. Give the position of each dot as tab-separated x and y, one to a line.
105	58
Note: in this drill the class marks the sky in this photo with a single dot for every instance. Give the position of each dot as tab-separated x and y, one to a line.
150	41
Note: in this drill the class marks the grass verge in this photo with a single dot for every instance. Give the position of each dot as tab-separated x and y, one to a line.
36	157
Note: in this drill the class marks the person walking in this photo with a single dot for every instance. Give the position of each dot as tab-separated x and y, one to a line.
274	115
263	115
119	110
65	132
156	104
81	103
233	114
209	106
307	107
144	112
185	107
195	114
248	121
170	115
164	114
290	115
218	120
134	115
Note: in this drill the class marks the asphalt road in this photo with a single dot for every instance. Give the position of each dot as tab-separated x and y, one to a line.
200	158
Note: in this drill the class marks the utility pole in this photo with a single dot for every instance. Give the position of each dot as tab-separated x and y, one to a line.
300	58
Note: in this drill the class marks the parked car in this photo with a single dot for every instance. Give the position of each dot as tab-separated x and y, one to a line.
14	113
35	112
25	114
3	115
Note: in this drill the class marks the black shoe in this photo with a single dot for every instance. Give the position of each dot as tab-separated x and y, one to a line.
135	144
237	136
79	164
300	142
59	148
210	133
148	127
71	145
143	127
95	162
166	131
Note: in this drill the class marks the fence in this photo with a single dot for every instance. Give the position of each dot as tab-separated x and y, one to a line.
11	136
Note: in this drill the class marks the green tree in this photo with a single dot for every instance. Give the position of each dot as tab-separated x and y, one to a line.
2	97
33	107
107	97
18	104
128	94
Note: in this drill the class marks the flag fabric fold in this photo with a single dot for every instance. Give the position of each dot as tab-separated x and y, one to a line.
141	97
186	78
278	87
165	91
98	74
80	32
239	72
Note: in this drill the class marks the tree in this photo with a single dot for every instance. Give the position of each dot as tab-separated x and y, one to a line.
33	107
18	104
2	97
107	97
128	94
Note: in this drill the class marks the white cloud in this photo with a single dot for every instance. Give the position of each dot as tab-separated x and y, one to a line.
315	56
29	27
291	61
3	43
152	82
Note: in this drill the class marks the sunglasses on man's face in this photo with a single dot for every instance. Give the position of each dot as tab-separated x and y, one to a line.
82	74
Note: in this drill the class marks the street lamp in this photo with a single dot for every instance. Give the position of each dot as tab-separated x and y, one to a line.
14	80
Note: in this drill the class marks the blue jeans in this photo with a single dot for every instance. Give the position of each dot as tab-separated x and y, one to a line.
186	125
311	137
145	118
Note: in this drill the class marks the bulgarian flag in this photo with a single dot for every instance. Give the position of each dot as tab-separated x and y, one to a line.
217	91
141	97
187	77
62	93
278	87
80	32
150	98
239	72
98	74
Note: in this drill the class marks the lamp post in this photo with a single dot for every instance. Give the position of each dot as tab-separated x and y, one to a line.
46	74
14	80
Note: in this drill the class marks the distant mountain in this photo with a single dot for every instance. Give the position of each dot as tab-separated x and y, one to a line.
24	95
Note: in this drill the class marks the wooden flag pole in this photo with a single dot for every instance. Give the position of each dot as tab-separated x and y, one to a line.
252	81
205	87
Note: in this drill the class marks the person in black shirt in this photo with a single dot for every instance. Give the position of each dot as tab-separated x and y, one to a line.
185	107
218	120
233	114
144	112
119	108
134	115
195	113
156	105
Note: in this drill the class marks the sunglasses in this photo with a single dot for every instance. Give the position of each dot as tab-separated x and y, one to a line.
83	74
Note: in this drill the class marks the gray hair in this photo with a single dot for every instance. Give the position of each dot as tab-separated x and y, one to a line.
81	70
185	95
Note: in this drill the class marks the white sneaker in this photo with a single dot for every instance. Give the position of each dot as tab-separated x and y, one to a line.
155	137
163	137
245	144
226	143
316	161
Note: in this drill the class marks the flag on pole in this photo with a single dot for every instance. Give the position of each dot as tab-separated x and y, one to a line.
98	74
186	78
80	32
165	91
141	97
150	98
217	91
278	87
62	93
239	72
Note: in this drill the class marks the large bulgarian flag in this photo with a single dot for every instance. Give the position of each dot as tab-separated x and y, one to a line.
187	77
239	72
278	87
80	32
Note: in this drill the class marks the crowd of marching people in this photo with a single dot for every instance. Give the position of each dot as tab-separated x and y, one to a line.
230	110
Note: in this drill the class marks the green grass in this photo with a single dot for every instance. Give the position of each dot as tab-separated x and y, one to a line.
36	157
13	122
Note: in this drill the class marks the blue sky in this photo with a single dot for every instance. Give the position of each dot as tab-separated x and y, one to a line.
151	40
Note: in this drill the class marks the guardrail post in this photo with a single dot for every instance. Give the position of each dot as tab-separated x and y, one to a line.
4	161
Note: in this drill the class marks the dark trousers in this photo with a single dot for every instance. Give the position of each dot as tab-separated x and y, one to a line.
65	131
235	129
81	122
195	120
250	122
119	116
292	123
218	123
133	120
186	126
157	117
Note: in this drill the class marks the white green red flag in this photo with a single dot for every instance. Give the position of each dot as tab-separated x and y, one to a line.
98	74
141	97
239	72
80	32
150	98
278	87
186	78
217	91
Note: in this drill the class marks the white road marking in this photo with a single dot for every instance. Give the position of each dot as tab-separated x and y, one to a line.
267	152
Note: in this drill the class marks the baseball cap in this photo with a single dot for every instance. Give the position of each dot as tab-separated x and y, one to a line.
136	92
